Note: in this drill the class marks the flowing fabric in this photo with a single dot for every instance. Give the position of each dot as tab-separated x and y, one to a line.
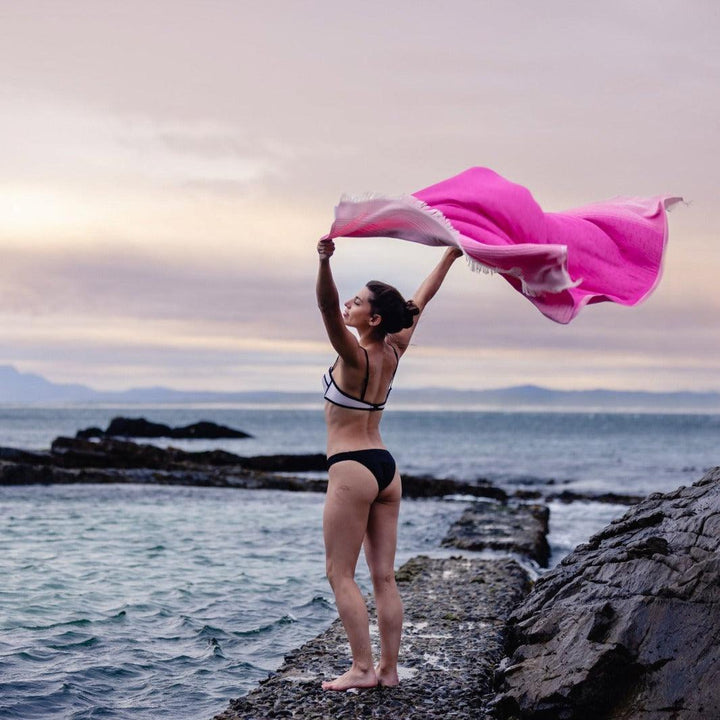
607	251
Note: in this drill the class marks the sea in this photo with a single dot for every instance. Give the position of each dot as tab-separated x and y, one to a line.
148	602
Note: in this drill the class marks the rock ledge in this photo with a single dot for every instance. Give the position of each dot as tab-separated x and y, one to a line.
628	625
455	615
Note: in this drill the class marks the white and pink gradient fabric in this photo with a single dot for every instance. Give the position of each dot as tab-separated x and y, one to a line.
607	251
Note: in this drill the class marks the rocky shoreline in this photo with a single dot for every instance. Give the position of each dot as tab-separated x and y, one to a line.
625	628
602	635
114	459
446	600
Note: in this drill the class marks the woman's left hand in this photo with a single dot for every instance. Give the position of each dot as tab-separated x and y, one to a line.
325	249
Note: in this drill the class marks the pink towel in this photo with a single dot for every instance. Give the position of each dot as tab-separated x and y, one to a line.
607	251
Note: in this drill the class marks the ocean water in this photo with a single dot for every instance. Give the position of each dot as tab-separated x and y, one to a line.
146	602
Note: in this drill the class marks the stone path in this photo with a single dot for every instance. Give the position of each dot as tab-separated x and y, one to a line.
455	615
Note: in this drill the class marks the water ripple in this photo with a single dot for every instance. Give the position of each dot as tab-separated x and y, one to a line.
118	601
167	620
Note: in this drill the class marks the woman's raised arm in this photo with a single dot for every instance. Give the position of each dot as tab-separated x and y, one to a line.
429	286
328	300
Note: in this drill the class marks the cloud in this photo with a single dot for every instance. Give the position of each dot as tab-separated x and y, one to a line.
168	166
133	284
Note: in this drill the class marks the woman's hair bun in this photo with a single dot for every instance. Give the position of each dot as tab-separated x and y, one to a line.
411	310
396	313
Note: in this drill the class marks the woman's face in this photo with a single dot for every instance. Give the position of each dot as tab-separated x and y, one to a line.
357	311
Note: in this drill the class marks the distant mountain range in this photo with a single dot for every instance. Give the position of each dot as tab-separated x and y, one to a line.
27	388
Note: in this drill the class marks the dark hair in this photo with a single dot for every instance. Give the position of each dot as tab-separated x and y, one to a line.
395	311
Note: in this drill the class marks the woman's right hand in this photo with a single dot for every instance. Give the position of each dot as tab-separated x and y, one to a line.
325	249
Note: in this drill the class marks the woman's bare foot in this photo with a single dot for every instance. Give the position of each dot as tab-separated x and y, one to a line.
353	678
387	678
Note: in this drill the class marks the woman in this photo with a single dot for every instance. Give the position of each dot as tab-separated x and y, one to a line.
364	488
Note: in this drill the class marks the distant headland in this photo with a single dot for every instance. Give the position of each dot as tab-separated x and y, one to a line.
32	389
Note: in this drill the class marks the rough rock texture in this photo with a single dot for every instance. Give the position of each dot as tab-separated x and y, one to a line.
628	625
142	428
455	613
511	528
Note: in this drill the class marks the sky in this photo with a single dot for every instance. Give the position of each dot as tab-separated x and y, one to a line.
168	166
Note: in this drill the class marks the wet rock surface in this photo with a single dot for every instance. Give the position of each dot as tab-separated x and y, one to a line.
627	627
510	528
455	613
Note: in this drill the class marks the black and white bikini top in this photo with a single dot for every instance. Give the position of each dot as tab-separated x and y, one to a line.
336	396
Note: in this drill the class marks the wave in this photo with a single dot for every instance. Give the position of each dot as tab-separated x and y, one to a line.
75	645
267	628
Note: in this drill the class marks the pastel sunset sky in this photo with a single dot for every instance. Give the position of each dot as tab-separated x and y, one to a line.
168	165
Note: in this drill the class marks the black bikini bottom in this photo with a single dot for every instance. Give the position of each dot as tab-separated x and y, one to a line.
379	462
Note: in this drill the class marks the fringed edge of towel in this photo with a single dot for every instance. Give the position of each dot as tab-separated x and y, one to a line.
437	215
451	236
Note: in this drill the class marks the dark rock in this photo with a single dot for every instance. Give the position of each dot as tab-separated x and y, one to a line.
314	462
453	635
220	468
516	528
427	486
78	453
25	456
137	427
18	473
568	496
113	460
109	452
527	494
142	428
205	430
89	433
232	477
627	626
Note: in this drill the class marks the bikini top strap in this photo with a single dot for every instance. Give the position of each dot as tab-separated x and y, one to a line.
397	363
367	374
397	357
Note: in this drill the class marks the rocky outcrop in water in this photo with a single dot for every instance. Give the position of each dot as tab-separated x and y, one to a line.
142	428
570	496
627	627
517	528
108	452
108	460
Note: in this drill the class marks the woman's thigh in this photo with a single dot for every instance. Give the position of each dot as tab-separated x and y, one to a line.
352	488
381	537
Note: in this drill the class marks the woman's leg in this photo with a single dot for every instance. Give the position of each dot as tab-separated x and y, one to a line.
352	488
380	544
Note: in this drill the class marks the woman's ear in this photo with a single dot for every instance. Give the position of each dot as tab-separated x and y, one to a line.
375	320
